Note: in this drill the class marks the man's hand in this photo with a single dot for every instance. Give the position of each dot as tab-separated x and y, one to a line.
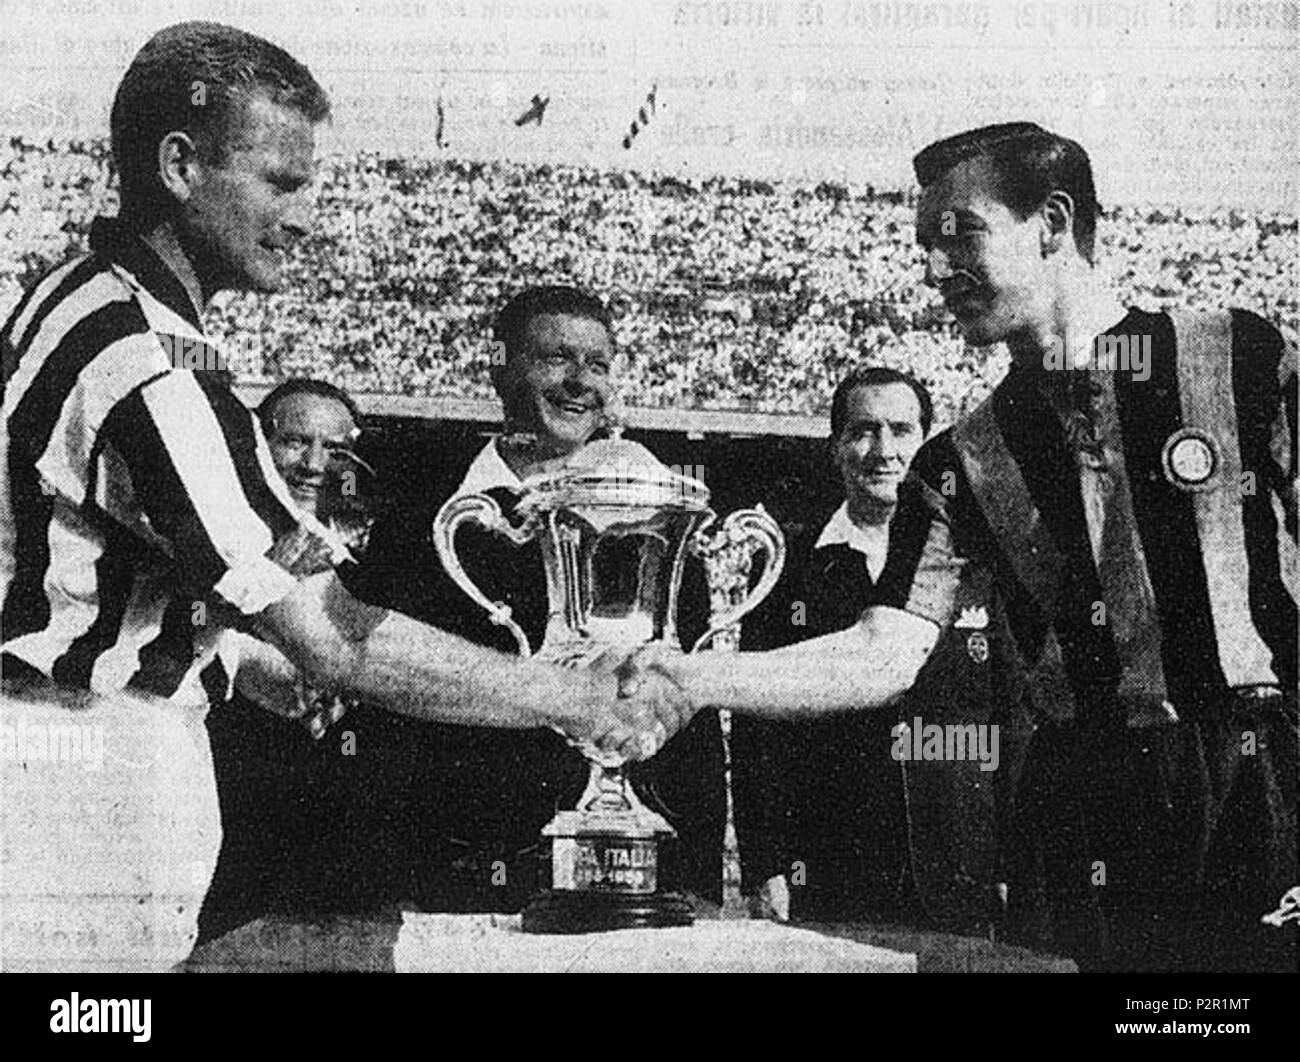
650	707
649	712
649	672
302	552
772	901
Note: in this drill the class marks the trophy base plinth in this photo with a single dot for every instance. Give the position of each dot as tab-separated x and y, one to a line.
591	911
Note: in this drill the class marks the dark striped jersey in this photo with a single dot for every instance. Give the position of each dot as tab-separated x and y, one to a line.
139	500
1162	549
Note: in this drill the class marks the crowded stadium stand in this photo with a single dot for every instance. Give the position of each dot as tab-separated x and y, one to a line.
739	302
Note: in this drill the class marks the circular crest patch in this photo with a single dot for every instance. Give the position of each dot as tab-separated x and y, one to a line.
977	645
1191	458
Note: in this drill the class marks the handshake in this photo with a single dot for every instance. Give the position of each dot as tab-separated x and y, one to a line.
636	702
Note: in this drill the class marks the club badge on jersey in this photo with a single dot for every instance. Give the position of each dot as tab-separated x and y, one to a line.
1191	459
975	619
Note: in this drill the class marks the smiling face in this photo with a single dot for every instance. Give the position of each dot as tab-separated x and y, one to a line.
559	380
987	263
243	215
881	434
308	435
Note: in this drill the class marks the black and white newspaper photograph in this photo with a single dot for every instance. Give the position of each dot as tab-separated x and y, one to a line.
716	486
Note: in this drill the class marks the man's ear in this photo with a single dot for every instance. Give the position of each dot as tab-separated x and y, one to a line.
1058	216
620	364
833	456
499	377
505	382
178	161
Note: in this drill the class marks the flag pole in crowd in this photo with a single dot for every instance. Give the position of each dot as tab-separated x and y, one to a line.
642	117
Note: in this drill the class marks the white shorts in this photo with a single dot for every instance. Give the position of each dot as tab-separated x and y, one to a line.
109	831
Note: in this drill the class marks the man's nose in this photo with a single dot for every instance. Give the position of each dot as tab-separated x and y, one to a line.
582	377
297	217
317	457
937	267
883	444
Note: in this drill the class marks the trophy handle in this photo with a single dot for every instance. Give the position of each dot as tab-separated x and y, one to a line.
730	551
484	511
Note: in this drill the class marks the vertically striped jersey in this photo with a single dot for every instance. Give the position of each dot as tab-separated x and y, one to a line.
138	495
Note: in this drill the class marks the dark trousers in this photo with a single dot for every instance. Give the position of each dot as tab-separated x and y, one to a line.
305	828
1161	848
848	842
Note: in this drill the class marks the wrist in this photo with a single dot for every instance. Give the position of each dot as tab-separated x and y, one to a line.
694	674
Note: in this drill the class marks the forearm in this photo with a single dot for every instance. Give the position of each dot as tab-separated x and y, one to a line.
777	685
421	671
392	661
864	667
267	677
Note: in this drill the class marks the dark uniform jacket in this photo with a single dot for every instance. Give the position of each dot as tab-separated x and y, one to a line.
859	832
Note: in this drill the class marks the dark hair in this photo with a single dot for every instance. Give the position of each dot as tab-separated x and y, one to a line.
877	376
1029	163
303	386
197	78
512	321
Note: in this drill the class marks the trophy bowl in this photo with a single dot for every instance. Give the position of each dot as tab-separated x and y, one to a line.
615	526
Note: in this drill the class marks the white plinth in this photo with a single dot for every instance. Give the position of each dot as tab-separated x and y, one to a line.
482	943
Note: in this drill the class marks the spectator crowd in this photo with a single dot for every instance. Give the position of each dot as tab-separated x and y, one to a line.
728	293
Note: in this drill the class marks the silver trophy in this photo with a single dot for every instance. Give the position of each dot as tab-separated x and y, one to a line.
615	525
